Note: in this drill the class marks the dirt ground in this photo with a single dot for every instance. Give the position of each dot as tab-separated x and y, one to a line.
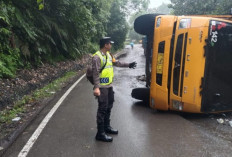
28	80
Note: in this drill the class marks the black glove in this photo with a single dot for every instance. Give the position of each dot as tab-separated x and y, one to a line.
132	65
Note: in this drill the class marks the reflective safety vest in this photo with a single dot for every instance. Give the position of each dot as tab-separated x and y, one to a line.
107	74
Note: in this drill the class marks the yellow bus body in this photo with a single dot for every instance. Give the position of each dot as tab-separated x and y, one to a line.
185	95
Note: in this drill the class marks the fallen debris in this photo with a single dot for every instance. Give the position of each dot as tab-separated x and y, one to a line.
220	120
16	119
141	78
230	122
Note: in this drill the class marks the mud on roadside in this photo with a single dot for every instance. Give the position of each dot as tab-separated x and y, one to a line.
28	80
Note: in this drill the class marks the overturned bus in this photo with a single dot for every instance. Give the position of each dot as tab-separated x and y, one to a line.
188	62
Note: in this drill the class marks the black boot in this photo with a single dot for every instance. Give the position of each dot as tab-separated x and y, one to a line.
101	135
109	129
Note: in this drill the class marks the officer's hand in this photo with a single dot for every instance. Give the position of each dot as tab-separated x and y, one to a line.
96	92
132	65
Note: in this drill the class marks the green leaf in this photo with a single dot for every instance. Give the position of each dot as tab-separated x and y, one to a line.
41	6
39	1
64	45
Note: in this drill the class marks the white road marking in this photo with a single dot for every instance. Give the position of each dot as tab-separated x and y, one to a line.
24	152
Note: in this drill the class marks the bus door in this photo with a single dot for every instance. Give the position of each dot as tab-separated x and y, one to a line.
193	72
178	64
160	61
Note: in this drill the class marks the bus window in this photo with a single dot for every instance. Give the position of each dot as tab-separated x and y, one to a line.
185	23
183	64
176	75
218	84
160	60
158	22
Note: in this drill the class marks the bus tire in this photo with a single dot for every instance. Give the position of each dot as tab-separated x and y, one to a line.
141	94
159	111
145	24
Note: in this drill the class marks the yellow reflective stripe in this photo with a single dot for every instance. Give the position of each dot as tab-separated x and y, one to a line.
99	55
109	66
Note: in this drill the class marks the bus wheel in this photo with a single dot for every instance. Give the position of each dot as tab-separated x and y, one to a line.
145	24
141	94
160	111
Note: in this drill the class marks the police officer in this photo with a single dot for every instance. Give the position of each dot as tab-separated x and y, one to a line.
102	66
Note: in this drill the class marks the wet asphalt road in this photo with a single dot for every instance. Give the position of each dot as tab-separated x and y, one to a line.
143	132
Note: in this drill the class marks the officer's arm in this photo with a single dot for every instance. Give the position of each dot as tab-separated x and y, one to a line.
96	65
122	64
117	63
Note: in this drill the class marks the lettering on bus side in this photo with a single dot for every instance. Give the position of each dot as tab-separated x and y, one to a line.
215	27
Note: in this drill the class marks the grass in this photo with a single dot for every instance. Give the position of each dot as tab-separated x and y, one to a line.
7	115
19	107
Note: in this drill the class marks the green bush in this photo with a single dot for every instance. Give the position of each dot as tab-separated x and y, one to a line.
4	71
35	31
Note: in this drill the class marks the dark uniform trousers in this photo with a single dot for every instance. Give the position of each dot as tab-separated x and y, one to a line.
105	104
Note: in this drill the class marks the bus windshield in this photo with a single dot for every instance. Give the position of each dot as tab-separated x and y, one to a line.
218	72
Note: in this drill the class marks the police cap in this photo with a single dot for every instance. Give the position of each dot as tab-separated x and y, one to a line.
106	40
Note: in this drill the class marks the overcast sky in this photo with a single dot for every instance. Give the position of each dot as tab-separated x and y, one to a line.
156	3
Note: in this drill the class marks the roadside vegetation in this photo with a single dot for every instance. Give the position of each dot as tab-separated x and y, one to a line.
199	7
33	32
20	106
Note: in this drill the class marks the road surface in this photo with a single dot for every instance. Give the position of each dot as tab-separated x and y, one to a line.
143	132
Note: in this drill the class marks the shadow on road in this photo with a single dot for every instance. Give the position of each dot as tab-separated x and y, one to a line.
141	104
188	116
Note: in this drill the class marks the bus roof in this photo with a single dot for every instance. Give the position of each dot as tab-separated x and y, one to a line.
225	17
